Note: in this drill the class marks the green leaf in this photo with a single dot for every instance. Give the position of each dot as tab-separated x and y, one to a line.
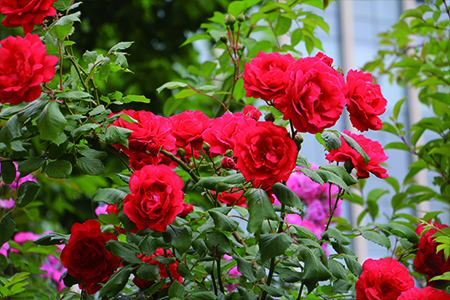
312	175
272	245
397	107
245	268
148	272
401	231
201	296
376	238
116	135
218	242
223	222
74	95
116	283
109	196
194	38
83	129
127	252
332	178
352	264
60	31
7	226
27	192
445	276
398	145
90	57
283	25
286	196
353	144
148	246
135	98
8	172
336	234
3	263
314	270
337	269
271	290
185	94
220	184
260	209
62	4
235	8
52	238
51	122
69	19
109	218
184	272
58	169
341	172
176	290
179	237
90	166
92	153
11	130
120	46
30	165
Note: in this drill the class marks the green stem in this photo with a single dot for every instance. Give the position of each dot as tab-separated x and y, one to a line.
181	163
219	274
300	292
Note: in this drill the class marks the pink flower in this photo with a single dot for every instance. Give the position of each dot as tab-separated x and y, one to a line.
22	237
101	209
7	203
4	249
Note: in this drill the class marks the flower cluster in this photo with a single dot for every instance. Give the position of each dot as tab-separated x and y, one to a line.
311	94
386	278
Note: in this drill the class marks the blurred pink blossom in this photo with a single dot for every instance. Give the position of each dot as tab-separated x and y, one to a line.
101	210
7	203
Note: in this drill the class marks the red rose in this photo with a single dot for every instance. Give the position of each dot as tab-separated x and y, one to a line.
188	128
142	284
427	293
138	160
364	101
325	58
228	163
427	261
150	133
252	112
222	132
315	95
232	198
373	149
265	154
86	257
187	209
26	13
24	65
112	209
156	197
383	279
263	76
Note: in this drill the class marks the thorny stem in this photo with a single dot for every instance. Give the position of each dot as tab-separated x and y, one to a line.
181	164
221	103
121	159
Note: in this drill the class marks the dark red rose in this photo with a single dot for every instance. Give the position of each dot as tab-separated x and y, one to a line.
188	128
142	284
383	279
26	13
187	209
263	76
156	197
364	101
427	261
315	95
372	148
325	58
427	293
252	112
112	209
86	257
150	133
265	154
24	65
138	160
232	198
221	134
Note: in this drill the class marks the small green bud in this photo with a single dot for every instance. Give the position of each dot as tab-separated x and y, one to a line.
229	153
206	146
181	152
241	18
230	20
223	38
298	141
269	117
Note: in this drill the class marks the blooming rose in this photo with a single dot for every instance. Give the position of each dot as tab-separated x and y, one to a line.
383	279
265	154
150	133
188	128
364	101
263	76
314	97
222	132
26	13
427	293
252	112
86	257
228	163
142	284
24	65
232	198
156	197
325	58
427	261
373	149
187	209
